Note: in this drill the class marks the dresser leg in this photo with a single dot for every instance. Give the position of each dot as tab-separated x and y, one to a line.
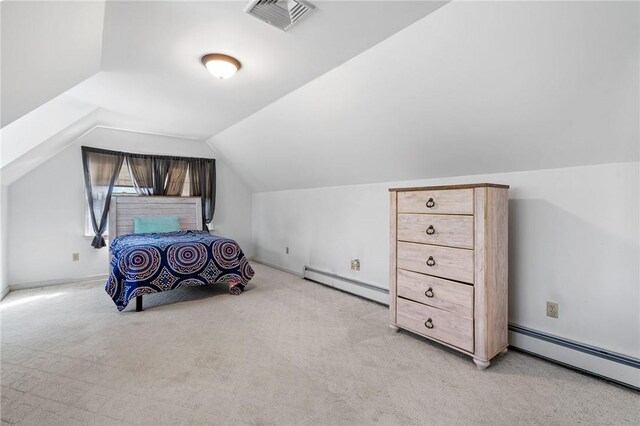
504	351
482	365
394	327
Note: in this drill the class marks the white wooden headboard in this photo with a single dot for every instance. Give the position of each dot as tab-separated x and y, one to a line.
124	208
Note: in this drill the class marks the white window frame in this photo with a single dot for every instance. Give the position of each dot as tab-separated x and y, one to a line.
88	227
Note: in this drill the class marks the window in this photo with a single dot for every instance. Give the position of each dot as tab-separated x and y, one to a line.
123	186
124	183
186	190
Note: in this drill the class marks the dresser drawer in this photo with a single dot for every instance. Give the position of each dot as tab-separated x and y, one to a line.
442	201
443	230
441	325
445	262
447	295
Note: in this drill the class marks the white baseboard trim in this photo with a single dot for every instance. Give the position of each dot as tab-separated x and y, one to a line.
5	291
279	268
37	284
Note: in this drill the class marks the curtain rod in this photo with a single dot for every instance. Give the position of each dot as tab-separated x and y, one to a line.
138	155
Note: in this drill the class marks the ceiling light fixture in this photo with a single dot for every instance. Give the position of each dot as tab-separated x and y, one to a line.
221	66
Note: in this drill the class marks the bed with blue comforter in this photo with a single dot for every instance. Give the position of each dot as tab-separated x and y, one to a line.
151	263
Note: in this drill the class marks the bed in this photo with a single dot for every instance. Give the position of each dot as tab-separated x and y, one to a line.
148	263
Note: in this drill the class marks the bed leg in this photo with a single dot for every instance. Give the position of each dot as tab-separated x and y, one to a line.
138	303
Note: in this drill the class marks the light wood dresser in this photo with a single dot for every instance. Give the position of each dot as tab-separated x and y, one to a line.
448	266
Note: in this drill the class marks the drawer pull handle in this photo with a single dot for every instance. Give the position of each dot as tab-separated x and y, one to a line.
431	230
429	293
431	203
429	323
430	261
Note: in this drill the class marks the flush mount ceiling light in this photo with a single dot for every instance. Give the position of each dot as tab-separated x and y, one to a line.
221	66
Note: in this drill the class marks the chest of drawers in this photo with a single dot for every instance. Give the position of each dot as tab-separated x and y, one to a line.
448	266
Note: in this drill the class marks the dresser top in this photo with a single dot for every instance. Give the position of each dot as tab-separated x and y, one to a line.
462	186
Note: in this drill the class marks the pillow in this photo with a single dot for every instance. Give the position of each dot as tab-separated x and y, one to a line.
154	224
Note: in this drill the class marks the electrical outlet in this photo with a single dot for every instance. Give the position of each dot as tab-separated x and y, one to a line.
355	264
552	309
75	257
286	250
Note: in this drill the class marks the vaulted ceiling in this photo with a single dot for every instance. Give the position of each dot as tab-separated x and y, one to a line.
360	91
140	61
68	66
47	48
476	87
151	70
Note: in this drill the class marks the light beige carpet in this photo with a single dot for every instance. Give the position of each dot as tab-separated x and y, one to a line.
287	351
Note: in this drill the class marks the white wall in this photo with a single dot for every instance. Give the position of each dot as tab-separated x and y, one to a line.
46	208
574	239
4	226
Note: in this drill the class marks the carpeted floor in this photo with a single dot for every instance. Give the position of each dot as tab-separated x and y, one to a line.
287	351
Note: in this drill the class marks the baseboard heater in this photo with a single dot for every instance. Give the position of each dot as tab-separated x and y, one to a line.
609	365
591	350
349	285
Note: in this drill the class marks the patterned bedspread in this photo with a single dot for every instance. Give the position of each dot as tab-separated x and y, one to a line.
151	263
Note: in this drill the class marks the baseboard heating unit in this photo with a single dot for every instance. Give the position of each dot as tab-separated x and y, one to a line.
600	362
349	285
609	365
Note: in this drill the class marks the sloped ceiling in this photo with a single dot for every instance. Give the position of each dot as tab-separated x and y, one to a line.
475	87
47	48
32	129
151	70
471	87
138	63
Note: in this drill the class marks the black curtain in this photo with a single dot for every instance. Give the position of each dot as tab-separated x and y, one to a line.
141	171
176	176
203	183
157	175
151	175
101	168
160	172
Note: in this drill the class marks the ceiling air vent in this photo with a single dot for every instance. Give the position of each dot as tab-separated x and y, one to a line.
281	14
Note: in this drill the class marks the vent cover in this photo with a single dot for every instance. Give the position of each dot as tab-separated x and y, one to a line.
281	14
